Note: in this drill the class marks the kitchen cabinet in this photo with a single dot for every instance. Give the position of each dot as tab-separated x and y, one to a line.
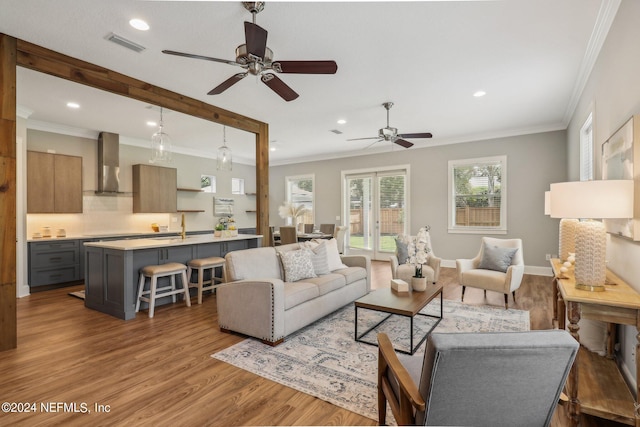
154	189
112	267
54	262
54	183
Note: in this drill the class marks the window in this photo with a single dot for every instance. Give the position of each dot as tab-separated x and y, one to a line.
208	183
300	192
586	150
477	195
237	186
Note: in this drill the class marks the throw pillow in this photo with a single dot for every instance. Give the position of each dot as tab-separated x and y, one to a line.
402	248
297	265
333	255
319	257
496	258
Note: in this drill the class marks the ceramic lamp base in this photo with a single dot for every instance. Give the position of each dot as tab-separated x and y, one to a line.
591	253
567	237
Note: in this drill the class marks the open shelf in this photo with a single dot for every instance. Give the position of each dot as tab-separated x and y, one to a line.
190	210
193	190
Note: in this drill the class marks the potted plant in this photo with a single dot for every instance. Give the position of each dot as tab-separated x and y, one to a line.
420	256
292	212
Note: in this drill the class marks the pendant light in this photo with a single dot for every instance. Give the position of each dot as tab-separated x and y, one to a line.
160	144
225	162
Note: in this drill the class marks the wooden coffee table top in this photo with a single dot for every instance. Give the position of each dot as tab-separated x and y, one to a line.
405	304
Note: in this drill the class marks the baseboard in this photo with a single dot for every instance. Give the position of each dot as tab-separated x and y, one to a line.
528	269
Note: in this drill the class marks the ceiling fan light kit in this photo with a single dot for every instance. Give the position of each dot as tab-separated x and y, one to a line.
390	134
257	59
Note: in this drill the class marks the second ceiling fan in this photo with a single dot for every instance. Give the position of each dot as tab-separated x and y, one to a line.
391	134
257	59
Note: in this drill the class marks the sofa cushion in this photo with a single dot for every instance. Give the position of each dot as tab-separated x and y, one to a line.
328	282
496	258
298	292
333	255
319	257
402	248
250	263
487	279
297	265
352	274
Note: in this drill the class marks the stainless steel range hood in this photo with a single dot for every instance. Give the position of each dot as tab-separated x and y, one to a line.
108	164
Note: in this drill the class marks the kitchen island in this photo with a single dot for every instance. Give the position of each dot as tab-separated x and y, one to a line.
112	267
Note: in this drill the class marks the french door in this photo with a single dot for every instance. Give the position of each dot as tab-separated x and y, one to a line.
376	206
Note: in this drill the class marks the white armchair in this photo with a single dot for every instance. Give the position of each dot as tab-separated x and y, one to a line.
499	267
400	269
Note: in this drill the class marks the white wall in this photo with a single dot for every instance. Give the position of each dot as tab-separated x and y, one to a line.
613	89
533	162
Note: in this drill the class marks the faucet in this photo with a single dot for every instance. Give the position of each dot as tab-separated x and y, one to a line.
184	228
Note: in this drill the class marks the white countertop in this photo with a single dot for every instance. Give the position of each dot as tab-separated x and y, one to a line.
166	241
105	236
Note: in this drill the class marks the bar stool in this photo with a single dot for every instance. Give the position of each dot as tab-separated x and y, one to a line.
154	272
201	265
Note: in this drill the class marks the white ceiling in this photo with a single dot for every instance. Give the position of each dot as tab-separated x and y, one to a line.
532	58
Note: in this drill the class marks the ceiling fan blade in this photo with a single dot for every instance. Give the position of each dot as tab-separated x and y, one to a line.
279	87
416	135
206	58
227	84
403	143
373	143
360	139
305	67
256	39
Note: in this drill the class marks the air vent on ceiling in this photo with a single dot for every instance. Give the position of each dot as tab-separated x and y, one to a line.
336	131
125	43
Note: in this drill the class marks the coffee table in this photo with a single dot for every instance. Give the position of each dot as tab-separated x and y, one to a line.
402	304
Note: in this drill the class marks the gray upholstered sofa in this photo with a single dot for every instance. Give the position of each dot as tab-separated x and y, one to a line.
257	301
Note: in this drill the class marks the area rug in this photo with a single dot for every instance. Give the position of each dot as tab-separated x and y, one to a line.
77	294
325	361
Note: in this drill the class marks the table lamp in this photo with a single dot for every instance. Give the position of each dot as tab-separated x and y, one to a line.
589	200
567	232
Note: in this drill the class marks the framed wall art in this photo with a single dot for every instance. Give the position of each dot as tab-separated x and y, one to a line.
621	160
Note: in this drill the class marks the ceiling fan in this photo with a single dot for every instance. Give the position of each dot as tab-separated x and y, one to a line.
257	59
391	134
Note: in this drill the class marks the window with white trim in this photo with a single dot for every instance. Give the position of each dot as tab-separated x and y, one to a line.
586	149
478	195
300	191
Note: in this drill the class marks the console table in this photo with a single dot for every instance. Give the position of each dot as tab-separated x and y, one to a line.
595	385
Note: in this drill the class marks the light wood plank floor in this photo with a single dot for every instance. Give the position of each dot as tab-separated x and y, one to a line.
159	371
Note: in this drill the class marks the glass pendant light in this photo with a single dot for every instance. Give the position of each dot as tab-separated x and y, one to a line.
160	144
225	162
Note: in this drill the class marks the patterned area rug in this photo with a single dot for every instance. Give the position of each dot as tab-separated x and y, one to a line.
325	361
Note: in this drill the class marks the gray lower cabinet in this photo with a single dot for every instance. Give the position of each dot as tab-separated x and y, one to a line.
111	281
54	262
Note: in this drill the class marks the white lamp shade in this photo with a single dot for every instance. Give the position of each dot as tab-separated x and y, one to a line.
592	199
547	202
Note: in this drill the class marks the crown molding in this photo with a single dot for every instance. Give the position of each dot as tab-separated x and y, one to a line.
604	20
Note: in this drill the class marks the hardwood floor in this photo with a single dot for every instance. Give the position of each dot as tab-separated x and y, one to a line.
159	371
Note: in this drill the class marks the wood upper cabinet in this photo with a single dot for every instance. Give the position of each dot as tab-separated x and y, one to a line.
154	189
54	183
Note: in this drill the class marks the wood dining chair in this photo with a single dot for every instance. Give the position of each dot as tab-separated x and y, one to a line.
327	228
288	235
308	228
272	239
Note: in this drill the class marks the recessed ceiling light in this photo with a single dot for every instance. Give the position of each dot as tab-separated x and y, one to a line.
479	93
342	121
73	105
151	124
139	24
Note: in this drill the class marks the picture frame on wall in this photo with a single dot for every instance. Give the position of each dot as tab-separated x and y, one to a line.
621	160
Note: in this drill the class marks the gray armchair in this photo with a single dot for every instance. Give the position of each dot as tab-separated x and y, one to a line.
476	379
499	267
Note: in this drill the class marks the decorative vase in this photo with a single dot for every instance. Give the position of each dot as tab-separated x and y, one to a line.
419	284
